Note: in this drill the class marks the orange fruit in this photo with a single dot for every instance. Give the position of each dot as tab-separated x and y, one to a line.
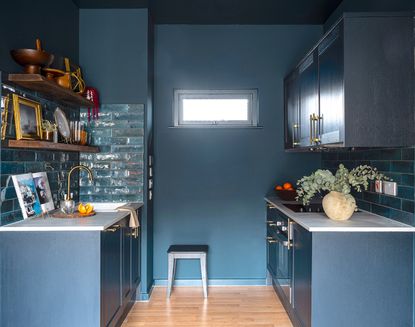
88	208
81	208
287	186
278	187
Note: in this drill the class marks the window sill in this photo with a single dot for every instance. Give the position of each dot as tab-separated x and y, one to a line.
216	127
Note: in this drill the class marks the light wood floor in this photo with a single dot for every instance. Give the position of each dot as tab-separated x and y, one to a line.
225	307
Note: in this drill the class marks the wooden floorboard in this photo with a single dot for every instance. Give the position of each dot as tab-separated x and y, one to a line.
225	307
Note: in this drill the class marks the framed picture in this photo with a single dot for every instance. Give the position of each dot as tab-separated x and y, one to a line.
43	191
27	196
27	118
4	115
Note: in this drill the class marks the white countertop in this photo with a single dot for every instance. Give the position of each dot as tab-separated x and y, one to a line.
105	217
362	221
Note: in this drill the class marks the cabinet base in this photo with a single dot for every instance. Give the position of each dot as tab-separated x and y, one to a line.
286	304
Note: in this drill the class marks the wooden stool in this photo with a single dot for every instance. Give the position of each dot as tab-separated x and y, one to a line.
187	252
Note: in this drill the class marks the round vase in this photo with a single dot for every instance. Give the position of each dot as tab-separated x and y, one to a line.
339	206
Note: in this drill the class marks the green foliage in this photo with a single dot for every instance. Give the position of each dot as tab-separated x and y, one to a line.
343	181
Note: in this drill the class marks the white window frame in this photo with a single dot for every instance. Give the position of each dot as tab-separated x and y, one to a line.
250	94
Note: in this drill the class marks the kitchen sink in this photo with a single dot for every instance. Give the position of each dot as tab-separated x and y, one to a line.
106	206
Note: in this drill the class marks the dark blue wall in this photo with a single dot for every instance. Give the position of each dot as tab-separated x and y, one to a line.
113	53
210	183
22	21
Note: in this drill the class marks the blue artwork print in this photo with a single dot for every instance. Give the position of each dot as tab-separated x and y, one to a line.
27	195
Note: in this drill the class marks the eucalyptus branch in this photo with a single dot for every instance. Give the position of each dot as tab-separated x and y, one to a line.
344	181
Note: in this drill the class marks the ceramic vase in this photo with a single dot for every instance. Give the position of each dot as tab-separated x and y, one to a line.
339	206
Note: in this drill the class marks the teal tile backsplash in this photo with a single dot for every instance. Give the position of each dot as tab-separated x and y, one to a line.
118	168
397	164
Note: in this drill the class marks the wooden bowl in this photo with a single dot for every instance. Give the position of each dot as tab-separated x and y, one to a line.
32	60
286	195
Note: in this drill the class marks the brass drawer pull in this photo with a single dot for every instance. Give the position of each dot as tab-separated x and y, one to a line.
134	233
113	228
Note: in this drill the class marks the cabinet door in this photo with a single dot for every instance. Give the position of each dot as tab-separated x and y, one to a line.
308	71
301	282
111	259
135	260
272	254
330	61
126	263
292	110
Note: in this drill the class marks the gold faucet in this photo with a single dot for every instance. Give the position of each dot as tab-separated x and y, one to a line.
90	176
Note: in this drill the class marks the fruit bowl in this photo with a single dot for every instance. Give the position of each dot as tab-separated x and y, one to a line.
286	195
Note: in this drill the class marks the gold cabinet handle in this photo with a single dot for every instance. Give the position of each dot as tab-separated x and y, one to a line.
113	229
272	224
317	119
271	241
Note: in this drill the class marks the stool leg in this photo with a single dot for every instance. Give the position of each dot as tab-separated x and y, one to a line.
170	274
204	274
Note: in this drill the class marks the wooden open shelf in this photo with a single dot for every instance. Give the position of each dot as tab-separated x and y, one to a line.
49	89
43	145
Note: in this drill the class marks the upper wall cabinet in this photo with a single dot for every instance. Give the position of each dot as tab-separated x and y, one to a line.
355	88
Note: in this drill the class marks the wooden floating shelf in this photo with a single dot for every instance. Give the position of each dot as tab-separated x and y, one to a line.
49	89
44	145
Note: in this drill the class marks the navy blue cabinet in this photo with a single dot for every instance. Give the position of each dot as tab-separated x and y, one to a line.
111	269
135	259
127	262
301	281
340	278
272	254
292	110
308	75
330	124
80	278
348	83
120	259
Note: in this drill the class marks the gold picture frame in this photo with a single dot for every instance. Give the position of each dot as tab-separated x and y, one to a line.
4	115
27	118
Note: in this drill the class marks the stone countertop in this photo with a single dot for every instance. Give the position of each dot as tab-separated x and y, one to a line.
362	221
105	217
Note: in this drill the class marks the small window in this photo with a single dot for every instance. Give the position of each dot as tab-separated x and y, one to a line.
215	108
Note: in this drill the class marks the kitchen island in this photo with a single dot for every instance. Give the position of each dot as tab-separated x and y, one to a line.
69	272
340	273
